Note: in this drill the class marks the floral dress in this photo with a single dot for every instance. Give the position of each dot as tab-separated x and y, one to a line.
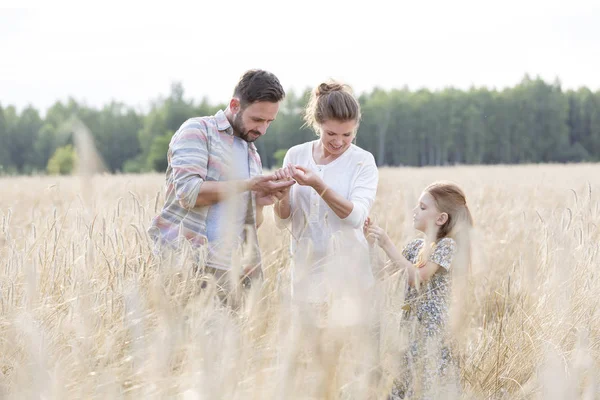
425	316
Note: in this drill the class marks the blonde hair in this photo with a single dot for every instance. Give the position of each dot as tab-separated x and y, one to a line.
331	101
450	199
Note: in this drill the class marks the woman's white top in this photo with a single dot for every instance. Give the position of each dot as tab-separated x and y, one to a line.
330	254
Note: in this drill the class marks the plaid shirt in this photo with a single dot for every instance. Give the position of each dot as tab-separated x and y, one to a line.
200	151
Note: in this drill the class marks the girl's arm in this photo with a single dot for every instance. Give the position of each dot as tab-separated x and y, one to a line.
394	254
376	235
377	264
441	257
416	275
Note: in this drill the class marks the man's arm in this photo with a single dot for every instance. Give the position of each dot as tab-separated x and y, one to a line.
188	158
213	192
189	163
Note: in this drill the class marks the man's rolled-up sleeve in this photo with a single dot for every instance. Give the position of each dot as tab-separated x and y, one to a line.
363	192
189	163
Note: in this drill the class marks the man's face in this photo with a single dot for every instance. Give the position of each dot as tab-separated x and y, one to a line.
251	122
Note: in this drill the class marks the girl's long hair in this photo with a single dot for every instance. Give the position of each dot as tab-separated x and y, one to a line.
451	199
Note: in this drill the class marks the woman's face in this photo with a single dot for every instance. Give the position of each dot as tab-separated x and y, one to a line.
337	136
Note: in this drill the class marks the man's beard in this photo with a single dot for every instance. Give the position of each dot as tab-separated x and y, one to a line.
240	130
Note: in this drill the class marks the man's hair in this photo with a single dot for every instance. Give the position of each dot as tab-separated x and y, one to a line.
258	85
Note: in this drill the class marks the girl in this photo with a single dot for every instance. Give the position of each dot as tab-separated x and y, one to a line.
443	216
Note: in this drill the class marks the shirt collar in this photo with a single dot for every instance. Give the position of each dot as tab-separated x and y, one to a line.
224	126
223	123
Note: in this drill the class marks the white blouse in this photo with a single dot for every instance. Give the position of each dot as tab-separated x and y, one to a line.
329	252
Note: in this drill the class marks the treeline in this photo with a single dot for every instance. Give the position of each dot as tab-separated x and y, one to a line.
534	121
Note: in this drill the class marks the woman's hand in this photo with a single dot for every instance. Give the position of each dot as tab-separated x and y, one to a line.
284	173
305	176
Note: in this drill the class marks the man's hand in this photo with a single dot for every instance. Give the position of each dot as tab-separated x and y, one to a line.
251	271
268	184
268	199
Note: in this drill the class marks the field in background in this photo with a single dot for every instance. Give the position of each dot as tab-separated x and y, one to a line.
85	313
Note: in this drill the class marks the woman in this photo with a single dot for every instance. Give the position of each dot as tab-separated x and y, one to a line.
326	209
336	183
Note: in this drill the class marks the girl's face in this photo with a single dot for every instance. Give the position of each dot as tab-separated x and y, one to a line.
336	136
426	217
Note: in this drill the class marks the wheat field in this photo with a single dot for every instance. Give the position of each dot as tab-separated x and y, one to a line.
87	312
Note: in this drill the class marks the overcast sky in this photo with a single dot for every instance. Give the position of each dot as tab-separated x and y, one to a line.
132	52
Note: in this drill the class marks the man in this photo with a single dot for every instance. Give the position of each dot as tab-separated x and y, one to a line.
215	187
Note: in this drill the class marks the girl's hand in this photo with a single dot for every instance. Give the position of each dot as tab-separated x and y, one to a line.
304	176
378	235
366	226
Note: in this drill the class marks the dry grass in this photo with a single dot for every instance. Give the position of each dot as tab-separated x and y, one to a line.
86	312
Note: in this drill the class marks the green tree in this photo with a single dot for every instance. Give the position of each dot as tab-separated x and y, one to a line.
63	161
166	116
115	129
534	121
157	156
279	156
5	159
53	133
287	130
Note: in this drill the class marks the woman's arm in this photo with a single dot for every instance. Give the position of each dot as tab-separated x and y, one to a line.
353	211
338	204
259	216
282	208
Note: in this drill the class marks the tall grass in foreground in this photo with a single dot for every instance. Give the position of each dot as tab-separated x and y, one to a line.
87	312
